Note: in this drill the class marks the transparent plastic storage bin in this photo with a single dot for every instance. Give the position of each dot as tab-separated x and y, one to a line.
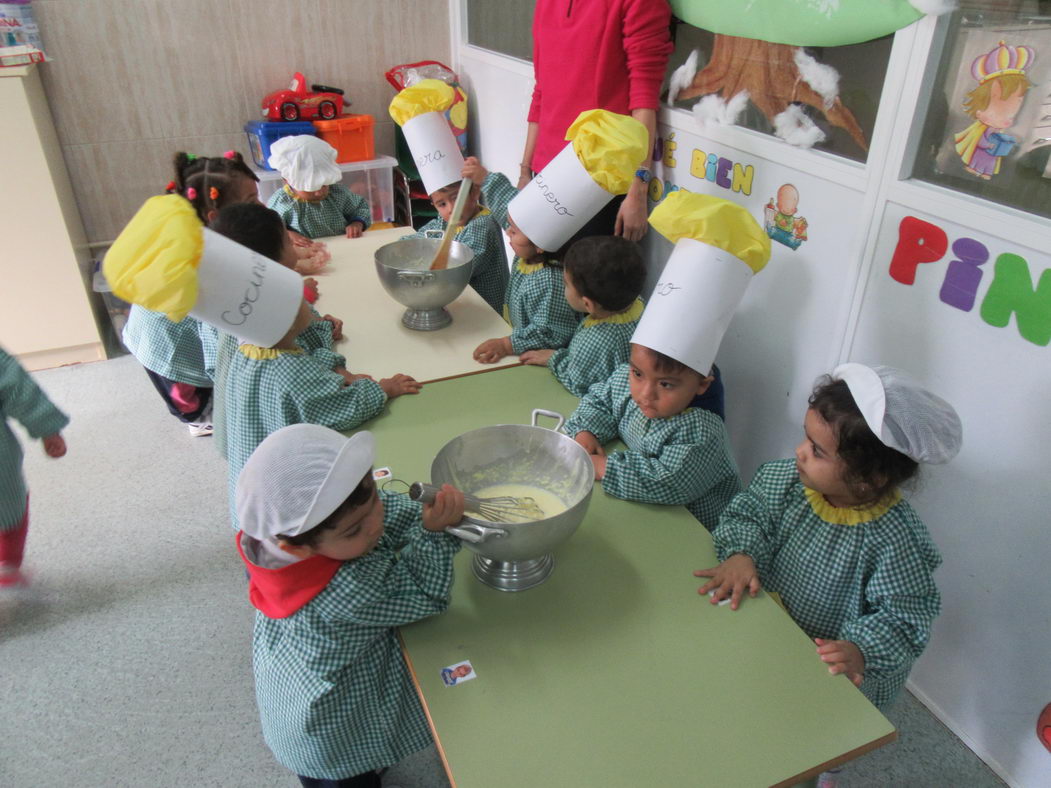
372	179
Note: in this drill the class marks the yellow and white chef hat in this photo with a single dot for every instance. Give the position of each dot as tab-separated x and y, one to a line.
166	260
305	161
419	110
297	477
600	161
719	247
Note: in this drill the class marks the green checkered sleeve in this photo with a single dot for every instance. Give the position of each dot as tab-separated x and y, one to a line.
489	275
22	400
596	413
497	192
593	353
749	523
539	314
317	335
329	216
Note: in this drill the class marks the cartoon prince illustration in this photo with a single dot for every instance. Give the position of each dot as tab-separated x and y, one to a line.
994	104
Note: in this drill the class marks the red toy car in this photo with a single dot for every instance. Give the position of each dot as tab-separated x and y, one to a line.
297	102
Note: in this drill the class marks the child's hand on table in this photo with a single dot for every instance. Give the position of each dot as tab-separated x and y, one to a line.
55	445
473	169
730	578
446	510
599	461
537	358
398	385
299	239
842	656
350	377
355	229
590	443
337	326
492	350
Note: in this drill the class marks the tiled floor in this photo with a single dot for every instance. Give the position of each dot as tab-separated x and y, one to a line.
130	664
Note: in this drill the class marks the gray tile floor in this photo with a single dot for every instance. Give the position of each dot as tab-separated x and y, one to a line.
129	663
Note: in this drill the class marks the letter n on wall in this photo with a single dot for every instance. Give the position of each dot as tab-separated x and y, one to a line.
1012	292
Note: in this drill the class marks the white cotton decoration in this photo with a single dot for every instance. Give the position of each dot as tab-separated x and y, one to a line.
713	111
821	77
933	7
683	76
796	128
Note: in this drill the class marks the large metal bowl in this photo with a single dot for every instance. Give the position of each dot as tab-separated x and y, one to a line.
403	268
516	556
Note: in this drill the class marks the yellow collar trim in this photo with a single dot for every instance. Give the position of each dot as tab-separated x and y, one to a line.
292	194
845	515
527	268
264	353
629	315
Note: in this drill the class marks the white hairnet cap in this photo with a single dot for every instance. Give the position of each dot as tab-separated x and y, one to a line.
903	414
298	476
305	161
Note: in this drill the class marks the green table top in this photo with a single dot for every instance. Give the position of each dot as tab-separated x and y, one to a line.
613	672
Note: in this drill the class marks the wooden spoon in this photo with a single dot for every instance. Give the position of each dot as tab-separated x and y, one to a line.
441	259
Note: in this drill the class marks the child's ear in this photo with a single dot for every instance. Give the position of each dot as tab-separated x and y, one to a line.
297	550
590	305
705	383
210	216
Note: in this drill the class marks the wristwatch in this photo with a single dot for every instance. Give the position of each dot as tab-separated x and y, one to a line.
643	174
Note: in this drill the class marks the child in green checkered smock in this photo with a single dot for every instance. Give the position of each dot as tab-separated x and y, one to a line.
535	305
481	227
830	533
676	455
330	210
334	567
265	389
172	353
22	400
603	277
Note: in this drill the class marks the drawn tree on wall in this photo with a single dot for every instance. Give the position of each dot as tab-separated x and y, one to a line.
772	78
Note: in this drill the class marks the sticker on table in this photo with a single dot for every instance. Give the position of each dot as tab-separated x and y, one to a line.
721	602
458	673
381	474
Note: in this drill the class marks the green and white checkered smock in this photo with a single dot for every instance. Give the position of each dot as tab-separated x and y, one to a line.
484	235
172	350
268	389
316	336
20	399
869	582
335	697
684	460
536	308
597	348
329	216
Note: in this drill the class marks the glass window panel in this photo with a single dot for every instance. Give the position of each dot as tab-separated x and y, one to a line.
504	26
987	131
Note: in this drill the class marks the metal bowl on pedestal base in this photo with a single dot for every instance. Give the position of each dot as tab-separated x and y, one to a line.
404	271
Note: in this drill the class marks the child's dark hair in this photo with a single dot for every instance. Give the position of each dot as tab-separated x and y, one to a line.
253	225
872	469
607	269
667	364
360	496
207	181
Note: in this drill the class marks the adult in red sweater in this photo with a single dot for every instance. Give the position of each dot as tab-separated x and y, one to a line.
597	54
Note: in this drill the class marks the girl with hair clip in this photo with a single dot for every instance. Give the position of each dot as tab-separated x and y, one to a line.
172	353
830	532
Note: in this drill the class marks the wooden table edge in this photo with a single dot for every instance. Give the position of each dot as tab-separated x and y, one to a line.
846	757
426	711
492	368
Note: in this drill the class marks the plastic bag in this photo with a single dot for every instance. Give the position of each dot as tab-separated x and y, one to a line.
19	35
409	74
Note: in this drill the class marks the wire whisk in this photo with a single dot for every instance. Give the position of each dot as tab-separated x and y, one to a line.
502	509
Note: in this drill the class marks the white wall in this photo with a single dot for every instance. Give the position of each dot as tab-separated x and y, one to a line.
986	673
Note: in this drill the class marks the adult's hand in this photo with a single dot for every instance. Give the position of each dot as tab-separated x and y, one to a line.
631	218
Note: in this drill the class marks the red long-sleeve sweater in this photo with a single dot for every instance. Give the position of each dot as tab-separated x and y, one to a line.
594	54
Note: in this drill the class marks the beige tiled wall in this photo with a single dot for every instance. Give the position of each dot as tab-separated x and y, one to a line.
133	81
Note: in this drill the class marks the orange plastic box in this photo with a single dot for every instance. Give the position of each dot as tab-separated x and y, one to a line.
350	135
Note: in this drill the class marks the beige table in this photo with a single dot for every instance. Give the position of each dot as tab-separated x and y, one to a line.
376	342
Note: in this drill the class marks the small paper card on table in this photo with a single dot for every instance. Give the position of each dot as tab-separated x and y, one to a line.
458	673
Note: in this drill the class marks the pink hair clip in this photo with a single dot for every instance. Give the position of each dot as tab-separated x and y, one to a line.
191	193
229	154
213	194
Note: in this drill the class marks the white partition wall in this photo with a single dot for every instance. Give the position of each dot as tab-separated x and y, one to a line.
836	297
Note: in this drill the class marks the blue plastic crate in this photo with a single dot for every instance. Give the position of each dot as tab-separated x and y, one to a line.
262	134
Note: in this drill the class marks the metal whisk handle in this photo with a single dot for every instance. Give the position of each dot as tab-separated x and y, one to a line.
425	493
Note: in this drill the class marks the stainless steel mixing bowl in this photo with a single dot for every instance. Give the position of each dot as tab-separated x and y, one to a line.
516	556
403	268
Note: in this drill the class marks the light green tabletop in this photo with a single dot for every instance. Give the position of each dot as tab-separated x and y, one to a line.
614	672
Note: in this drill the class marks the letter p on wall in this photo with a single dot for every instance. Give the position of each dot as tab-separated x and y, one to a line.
918	242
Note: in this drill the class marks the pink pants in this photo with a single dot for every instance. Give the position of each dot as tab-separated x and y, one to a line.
13	543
